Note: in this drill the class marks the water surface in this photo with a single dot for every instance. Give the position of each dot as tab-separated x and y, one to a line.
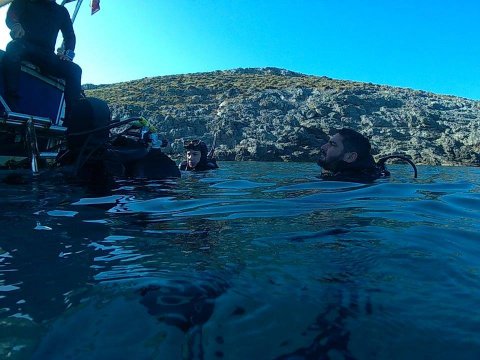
254	260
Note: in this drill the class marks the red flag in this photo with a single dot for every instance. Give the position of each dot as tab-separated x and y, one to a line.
95	5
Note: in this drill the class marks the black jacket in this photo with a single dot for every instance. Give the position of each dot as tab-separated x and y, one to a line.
42	20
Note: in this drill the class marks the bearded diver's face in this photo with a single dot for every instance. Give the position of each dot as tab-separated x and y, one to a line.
333	153
193	157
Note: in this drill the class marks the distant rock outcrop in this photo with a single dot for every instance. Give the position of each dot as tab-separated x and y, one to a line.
272	114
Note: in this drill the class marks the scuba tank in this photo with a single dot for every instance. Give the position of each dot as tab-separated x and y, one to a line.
88	124
93	154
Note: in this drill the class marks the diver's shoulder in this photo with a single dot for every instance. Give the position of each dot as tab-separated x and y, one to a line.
356	175
183	166
212	164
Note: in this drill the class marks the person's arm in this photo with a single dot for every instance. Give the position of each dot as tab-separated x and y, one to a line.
13	13
17	7
68	33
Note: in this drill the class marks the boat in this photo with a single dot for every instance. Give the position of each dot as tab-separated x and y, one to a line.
39	137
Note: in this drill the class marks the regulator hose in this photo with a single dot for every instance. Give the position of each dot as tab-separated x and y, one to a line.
381	162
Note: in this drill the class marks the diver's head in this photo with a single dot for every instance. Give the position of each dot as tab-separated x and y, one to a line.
344	149
196	152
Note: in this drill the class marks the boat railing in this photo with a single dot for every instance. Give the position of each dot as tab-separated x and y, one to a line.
17	119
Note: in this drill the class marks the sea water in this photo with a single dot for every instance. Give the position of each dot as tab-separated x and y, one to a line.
251	261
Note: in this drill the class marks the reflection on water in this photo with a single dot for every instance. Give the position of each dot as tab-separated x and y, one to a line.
254	260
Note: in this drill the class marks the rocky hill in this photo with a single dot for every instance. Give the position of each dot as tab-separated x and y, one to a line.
272	114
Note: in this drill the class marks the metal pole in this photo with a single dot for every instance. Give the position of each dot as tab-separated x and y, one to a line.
77	7
31	139
79	3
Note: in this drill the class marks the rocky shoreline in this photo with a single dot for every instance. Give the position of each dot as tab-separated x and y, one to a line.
271	114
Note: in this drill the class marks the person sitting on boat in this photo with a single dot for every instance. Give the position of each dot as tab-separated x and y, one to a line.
198	157
346	156
34	26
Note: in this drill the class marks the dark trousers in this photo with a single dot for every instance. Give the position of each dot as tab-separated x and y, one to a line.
18	50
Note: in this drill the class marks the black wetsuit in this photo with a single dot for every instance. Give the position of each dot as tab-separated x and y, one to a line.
365	170
361	175
203	165
41	20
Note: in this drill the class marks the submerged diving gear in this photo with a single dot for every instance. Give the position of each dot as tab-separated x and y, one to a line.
356	172
93	155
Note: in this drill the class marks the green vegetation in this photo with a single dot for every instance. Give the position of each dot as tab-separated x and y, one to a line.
181	89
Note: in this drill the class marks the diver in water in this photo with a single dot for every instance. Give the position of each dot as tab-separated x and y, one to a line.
346	156
198	157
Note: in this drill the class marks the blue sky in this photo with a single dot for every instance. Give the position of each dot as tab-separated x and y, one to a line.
431	45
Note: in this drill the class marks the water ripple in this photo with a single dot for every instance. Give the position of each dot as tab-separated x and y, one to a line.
203	265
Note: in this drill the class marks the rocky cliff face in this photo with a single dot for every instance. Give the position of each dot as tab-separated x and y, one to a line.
276	115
